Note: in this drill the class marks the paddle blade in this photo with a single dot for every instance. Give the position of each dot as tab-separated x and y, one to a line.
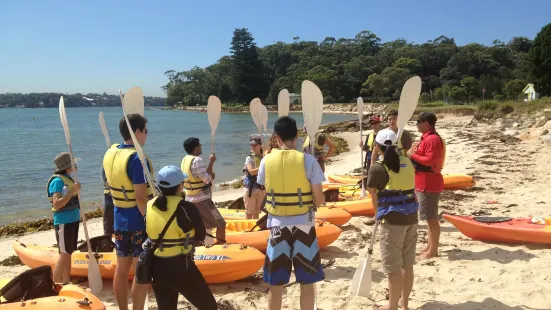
263	111
104	129
255	112
312	106
360	108
408	102
64	122
214	110
133	101
361	282
283	103
94	277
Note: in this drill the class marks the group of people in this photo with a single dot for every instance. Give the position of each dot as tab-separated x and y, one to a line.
291	180
405	181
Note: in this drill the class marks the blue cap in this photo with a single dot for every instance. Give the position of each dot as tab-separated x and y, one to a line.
170	176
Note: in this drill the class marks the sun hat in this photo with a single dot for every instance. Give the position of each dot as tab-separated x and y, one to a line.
386	135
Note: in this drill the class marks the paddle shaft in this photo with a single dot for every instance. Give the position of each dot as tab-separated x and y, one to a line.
104	130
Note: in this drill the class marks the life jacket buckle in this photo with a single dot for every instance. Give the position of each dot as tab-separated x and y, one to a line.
299	191
273	202
124	193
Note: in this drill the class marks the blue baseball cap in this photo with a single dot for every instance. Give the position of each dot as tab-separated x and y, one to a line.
170	176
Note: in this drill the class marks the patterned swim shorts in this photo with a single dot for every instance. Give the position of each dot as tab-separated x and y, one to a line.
129	243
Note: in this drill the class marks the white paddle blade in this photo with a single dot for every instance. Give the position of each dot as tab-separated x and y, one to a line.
214	110
255	112
64	122
312	106
104	129
361	282
94	277
283	103
263	111
360	108
408	101
133	101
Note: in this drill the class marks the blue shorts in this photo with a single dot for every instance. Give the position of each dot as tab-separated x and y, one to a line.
290	246
129	243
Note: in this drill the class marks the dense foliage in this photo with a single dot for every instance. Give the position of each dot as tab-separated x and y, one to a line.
540	61
51	100
364	65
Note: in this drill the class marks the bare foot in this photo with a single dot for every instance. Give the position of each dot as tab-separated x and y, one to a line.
424	249
427	255
377	307
402	306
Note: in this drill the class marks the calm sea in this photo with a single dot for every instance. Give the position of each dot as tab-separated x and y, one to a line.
27	149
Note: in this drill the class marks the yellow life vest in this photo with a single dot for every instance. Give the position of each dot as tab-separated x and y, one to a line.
370	139
175	241
121	188
288	190
399	193
73	203
192	184
318	148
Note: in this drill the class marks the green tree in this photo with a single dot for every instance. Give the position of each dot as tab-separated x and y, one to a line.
513	89
540	61
424	98
472	87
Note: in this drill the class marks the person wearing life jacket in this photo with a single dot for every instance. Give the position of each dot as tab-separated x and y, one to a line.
272	145
130	191
391	183
320	141
108	207
369	143
197	187
405	142
293	189
428	157
253	193
174	270
62	192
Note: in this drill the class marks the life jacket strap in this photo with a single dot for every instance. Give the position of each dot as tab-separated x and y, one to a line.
404	201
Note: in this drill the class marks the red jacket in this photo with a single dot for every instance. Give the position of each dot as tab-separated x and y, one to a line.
430	153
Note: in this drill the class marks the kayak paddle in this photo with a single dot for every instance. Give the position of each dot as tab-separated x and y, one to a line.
263	111
283	103
361	282
214	110
360	116
104	129
94	276
256	114
408	102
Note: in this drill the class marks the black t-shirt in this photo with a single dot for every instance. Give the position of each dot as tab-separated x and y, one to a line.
188	217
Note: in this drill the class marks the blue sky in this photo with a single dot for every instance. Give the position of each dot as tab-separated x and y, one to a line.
100	46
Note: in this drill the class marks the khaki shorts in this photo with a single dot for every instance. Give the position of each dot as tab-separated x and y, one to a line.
428	205
398	246
253	203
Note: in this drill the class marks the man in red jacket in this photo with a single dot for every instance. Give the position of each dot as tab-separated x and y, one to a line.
427	156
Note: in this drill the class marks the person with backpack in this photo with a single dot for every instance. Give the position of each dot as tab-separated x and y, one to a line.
174	270
253	193
391	183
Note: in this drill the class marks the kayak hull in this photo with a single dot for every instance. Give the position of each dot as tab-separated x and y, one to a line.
236	232
67	299
518	230
356	207
335	216
218	264
451	181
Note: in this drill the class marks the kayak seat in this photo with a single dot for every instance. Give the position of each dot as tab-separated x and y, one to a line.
492	219
237	204
99	244
30	284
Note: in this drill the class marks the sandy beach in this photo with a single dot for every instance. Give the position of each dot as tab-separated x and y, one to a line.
468	274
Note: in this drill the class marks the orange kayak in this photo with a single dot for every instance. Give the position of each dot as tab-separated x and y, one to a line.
218	264
501	229
356	207
236	232
336	216
451	181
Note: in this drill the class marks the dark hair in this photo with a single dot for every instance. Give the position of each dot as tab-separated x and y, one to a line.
391	159
286	128
428	117
392	113
161	201
190	144
137	122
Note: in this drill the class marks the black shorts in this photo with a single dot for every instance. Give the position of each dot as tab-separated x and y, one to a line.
66	236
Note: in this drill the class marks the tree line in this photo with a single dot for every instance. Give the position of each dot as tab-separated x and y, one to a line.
51	100
345	68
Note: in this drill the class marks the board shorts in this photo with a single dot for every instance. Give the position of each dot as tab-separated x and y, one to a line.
129	243
397	246
428	205
290	246
253	204
66	236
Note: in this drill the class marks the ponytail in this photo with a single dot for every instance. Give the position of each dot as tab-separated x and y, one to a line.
391	158
161	201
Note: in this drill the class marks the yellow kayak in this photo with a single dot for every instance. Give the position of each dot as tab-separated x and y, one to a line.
333	215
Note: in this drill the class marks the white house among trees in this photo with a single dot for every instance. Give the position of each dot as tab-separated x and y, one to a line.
530	92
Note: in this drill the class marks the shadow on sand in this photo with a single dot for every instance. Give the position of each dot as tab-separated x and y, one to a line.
488	303
494	254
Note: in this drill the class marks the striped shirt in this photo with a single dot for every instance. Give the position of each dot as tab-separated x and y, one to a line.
199	170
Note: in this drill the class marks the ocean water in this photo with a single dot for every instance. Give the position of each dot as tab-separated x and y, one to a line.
27	149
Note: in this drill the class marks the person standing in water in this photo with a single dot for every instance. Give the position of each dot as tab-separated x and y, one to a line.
320	141
293	185
253	193
63	196
130	191
405	142
174	270
428	157
197	187
391	183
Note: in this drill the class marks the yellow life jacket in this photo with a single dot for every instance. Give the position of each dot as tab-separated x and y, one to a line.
67	181
318	148
288	190
175	241
121	188
369	143
192	184
399	193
